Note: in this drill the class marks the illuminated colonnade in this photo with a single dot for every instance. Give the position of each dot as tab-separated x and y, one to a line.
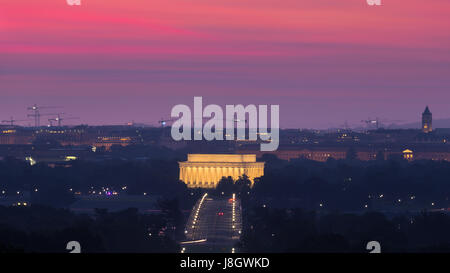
206	170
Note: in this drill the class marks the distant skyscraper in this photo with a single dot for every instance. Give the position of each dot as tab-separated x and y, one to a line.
427	121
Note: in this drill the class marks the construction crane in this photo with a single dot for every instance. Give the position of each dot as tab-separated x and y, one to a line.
380	122
37	118
12	120
372	122
36	113
233	120
59	119
163	122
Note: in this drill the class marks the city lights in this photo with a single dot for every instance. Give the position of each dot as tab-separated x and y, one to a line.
248	127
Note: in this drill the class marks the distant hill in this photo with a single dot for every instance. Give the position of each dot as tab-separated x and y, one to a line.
438	123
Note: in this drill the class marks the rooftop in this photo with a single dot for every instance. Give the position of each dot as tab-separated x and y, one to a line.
221	158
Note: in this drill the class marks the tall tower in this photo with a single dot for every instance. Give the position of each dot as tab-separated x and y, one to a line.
427	121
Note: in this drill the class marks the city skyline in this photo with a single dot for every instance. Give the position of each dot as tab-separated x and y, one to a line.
324	62
59	118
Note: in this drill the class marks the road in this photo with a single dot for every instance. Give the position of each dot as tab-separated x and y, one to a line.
214	225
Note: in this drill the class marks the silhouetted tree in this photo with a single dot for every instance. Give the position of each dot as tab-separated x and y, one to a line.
225	186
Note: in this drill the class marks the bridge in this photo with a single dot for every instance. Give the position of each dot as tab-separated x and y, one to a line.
214	225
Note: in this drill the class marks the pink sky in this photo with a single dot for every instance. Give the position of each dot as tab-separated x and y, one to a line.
323	61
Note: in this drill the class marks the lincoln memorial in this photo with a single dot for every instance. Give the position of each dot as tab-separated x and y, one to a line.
206	170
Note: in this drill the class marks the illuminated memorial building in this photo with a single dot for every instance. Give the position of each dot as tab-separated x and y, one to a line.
206	170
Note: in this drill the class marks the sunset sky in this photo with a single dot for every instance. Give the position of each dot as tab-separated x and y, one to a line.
323	61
